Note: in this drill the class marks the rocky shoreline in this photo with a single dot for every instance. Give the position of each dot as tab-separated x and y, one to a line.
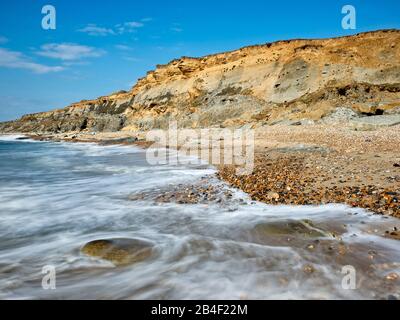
325	112
325	116
206	221
304	165
318	165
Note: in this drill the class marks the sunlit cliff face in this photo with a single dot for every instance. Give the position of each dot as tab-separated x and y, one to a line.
291	80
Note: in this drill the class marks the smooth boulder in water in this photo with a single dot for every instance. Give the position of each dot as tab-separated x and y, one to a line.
119	251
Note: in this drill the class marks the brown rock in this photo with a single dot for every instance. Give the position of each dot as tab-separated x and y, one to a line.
392	276
308	268
119	251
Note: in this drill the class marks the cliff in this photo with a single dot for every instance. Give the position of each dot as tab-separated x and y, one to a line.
282	82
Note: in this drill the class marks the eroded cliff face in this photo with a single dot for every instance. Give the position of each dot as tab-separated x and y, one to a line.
103	114
259	85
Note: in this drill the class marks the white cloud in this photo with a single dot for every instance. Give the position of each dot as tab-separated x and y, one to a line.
16	60
121	28
128	27
3	40
94	30
69	51
133	24
177	29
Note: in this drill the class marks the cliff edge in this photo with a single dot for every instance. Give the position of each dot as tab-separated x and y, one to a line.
288	82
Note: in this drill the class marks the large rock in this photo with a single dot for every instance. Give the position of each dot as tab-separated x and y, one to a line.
119	251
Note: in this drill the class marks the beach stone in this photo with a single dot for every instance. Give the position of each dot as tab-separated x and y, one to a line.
119	251
308	268
392	276
393	235
273	195
304	228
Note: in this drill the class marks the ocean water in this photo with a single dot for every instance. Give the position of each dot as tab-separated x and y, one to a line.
56	197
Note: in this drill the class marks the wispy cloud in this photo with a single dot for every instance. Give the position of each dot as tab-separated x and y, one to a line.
3	40
69	51
121	28
17	60
94	30
128	27
133	24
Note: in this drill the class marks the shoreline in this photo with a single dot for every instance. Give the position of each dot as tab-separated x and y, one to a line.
304	165
112	204
320	165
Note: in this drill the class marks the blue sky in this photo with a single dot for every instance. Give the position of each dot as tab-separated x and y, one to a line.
100	47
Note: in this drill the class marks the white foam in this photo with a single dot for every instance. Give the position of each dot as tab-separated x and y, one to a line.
202	251
11	137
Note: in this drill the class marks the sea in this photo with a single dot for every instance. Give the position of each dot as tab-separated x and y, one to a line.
56	196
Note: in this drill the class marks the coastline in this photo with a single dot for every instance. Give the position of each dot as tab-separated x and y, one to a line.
322	164
148	156
189	224
304	165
